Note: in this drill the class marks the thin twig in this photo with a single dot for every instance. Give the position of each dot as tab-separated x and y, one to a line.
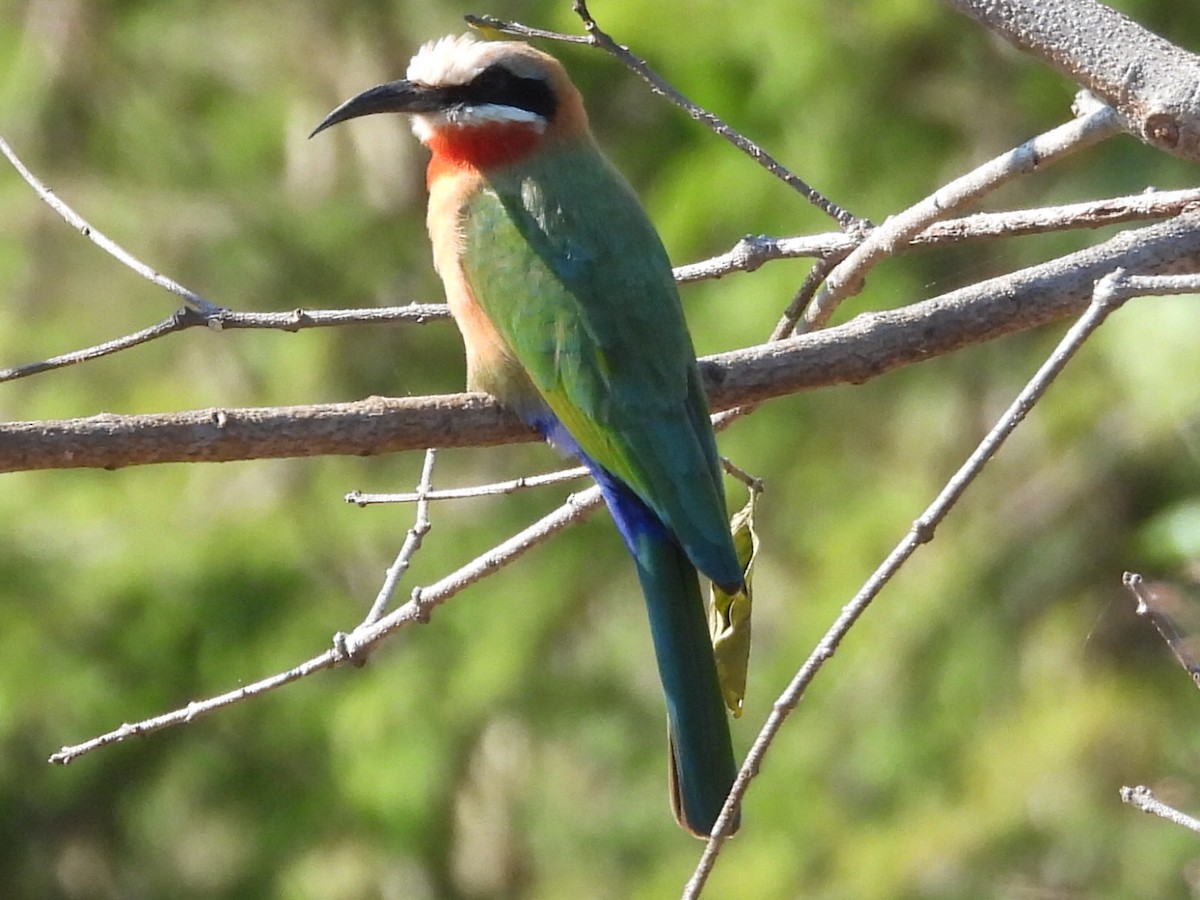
292	320
183	715
183	318
896	232
922	531
752	482
361	498
76	221
753	251
352	647
516	29
596	37
412	542
1173	617
1143	798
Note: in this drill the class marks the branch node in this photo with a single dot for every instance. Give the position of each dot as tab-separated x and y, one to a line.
346	649
923	530
420	609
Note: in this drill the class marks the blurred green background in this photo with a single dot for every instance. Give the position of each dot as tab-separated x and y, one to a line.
968	741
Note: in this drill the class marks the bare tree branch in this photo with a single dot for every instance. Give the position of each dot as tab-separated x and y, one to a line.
1147	79
861	349
746	256
847	277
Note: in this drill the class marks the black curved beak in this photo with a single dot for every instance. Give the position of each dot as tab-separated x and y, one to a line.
395	96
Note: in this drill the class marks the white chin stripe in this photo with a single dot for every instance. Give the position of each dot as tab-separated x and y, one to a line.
425	124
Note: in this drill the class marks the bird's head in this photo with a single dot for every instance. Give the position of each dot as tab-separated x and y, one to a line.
478	103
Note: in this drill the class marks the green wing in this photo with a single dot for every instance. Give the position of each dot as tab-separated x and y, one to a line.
566	265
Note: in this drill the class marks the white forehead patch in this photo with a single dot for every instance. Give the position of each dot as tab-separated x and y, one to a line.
452	60
457	60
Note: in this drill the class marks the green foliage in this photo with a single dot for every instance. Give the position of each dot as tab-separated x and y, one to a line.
968	740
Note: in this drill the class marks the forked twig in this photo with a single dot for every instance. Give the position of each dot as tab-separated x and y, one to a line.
412	542
884	241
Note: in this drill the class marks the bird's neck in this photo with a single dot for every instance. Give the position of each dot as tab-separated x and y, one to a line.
481	147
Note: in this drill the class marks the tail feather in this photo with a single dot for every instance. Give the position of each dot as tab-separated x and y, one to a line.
702	766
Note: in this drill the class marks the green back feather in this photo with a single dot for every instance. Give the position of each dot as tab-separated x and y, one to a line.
563	260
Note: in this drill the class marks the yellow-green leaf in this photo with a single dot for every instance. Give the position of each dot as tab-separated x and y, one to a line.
729	615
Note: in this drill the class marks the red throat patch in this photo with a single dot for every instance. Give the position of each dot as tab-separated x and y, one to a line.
480	146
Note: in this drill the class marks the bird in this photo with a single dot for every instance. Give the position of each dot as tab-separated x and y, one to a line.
570	317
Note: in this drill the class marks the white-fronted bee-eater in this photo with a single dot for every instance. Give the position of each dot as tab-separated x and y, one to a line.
570	316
